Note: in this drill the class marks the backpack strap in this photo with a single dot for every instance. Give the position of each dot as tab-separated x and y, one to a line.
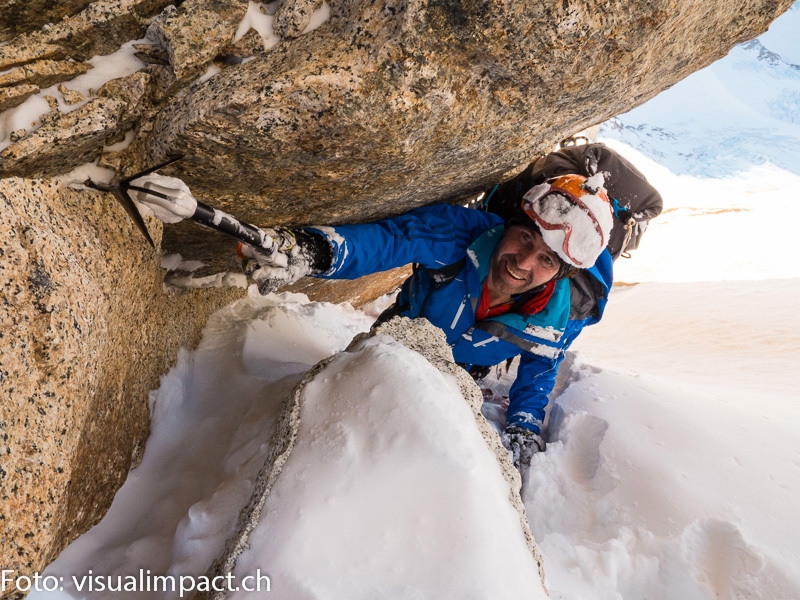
439	277
501	331
443	275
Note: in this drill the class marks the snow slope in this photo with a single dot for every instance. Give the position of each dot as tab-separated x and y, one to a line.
741	111
389	492
672	469
211	421
692	433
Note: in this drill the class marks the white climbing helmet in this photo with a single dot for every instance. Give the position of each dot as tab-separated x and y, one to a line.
573	215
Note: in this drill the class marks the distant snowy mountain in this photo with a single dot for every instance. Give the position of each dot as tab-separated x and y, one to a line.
741	111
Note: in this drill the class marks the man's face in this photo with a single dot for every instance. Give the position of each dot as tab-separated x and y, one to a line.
521	261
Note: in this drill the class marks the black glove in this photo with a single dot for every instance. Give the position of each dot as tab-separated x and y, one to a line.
623	215
295	254
522	443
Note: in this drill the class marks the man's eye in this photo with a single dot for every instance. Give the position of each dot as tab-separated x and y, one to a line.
548	262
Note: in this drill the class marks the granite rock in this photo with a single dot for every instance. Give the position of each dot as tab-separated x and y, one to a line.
136	91
23	16
249	45
196	33
293	16
100	28
385	107
16	95
71	97
356	292
44	73
86	330
394	105
78	137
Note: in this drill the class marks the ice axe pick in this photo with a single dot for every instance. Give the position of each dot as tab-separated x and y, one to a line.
181	203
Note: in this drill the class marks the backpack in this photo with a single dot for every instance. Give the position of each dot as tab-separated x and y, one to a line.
634	200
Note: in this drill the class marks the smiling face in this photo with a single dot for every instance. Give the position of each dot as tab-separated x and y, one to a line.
521	261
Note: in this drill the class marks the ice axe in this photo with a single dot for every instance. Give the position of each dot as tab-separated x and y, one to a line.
181	204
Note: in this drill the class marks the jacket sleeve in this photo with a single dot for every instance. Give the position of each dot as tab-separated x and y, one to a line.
528	396
433	236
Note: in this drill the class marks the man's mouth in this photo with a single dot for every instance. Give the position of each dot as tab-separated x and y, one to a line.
514	275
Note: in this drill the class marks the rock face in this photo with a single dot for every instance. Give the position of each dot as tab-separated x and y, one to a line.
383	108
86	330
392	105
22	16
418	335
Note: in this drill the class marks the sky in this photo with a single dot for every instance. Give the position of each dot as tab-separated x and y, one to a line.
672	469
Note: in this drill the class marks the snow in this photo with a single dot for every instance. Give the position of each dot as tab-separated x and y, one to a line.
344	518
318	17
671	469
175	262
259	17
692	435
121	63
403	437
781	37
80	174
211	420
596	181
753	212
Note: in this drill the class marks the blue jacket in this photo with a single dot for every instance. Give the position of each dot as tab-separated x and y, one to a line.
440	235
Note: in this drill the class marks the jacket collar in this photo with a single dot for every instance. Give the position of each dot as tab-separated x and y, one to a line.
480	251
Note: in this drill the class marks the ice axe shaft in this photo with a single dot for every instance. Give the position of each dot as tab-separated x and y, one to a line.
182	204
231	226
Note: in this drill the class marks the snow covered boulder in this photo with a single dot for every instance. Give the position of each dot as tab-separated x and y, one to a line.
384	483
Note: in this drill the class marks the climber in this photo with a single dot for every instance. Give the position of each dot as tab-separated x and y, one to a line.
497	289
522	284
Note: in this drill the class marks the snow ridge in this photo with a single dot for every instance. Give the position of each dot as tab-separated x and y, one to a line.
325	438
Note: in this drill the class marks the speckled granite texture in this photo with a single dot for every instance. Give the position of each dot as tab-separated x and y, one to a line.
85	331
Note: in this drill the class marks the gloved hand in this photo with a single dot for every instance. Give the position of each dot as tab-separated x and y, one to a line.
522	443
169	198
296	253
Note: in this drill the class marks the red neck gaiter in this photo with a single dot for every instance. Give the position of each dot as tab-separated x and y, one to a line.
531	307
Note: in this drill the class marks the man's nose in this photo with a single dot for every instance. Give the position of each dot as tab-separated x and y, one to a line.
528	259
